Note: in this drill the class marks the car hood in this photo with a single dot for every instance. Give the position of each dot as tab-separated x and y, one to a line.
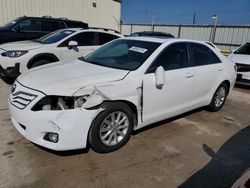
66	77
22	45
240	58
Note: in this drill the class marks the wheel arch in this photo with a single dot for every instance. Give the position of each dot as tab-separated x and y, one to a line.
47	56
131	105
227	82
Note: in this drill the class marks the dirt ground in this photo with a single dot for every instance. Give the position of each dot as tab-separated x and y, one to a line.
198	149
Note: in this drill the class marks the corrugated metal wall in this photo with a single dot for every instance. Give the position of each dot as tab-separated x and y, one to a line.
226	37
105	14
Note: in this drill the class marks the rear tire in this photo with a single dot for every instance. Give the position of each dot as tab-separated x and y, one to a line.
40	63
112	128
219	98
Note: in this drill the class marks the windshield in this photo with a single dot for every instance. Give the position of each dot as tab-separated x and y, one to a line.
9	25
123	54
55	36
245	49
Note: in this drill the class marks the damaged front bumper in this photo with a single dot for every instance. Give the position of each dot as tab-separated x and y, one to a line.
71	126
10	72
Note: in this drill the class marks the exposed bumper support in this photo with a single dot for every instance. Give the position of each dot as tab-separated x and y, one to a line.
11	72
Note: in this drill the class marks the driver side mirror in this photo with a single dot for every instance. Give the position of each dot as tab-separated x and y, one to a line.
159	77
72	44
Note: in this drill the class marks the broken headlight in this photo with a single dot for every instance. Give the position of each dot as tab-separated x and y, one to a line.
59	103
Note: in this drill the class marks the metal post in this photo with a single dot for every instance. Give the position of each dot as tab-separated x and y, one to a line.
153	20
179	31
216	17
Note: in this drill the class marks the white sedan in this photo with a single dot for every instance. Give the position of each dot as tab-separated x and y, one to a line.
18	57
242	59
125	85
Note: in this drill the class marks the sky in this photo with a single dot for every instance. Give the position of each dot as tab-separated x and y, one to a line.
231	12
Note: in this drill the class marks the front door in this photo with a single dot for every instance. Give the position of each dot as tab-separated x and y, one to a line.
175	96
86	43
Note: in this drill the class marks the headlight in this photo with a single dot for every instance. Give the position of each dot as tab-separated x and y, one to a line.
59	103
14	53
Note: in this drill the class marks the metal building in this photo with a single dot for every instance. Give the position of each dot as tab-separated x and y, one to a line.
97	13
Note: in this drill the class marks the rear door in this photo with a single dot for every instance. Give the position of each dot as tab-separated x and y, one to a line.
175	96
207	70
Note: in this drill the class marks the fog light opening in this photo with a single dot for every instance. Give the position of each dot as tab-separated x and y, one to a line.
51	137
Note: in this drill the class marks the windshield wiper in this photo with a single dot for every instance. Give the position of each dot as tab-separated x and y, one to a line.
81	58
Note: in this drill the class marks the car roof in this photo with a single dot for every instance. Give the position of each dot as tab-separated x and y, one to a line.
50	18
94	30
154	32
162	40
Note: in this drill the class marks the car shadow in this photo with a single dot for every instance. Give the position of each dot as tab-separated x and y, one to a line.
86	150
242	86
160	123
226	165
64	153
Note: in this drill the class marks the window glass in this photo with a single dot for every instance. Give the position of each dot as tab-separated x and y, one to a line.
202	55
11	24
85	39
62	25
50	25
54	36
173	57
245	49
105	37
30	25
73	24
122	54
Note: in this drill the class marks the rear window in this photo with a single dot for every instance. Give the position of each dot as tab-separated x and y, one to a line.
245	49
105	37
50	25
202	55
74	24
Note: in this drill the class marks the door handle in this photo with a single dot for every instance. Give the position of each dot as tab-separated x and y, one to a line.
189	75
221	69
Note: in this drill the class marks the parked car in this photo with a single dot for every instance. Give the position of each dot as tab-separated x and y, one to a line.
28	28
152	34
124	85
18	57
242	59
213	45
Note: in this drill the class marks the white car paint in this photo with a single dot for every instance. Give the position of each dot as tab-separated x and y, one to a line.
35	49
183	90
242	60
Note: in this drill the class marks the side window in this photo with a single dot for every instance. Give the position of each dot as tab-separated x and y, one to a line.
105	37
85	39
30	25
50	25
172	57
202	55
62	25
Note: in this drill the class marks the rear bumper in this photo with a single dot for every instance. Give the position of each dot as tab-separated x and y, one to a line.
10	72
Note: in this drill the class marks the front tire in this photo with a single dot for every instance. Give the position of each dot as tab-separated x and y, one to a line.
112	128
219	98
